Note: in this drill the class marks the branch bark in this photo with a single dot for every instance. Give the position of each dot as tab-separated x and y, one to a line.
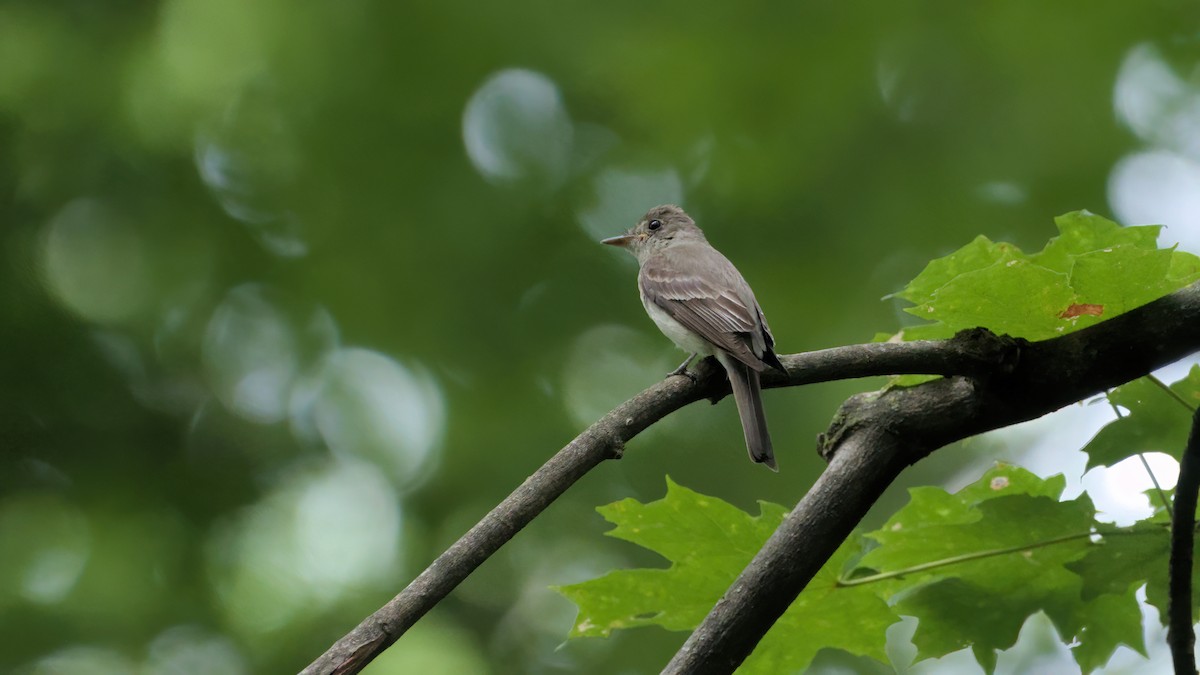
972	352
1181	634
875	435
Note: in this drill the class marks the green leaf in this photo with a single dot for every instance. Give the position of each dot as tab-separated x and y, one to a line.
1124	561
977	255
982	602
995	616
930	506
1083	232
1105	624
708	543
1131	557
707	540
1185	268
1159	499
1119	279
1014	297
1154	422
1094	270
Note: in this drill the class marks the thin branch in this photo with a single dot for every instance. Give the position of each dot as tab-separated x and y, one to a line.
971	352
876	435
1180	633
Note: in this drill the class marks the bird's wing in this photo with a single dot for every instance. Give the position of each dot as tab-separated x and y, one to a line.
703	291
769	355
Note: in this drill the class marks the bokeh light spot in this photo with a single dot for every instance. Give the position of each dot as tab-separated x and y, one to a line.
250	161
251	355
94	262
190	650
321	533
1157	104
608	364
516	128
256	344
1159	187
372	407
1006	193
622	196
45	543
83	660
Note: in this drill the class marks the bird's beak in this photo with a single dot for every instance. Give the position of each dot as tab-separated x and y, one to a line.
622	240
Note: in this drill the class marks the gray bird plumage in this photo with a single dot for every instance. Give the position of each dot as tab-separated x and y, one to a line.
699	300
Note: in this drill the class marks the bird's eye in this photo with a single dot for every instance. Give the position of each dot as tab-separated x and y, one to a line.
654	224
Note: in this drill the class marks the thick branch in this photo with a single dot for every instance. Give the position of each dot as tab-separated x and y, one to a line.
1180	633
875	435
973	352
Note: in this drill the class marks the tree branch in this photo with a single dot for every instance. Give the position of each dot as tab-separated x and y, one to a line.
875	435
972	352
1181	635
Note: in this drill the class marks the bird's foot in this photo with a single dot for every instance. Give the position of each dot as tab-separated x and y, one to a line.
683	369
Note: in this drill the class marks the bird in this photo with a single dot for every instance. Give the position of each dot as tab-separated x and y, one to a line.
699	300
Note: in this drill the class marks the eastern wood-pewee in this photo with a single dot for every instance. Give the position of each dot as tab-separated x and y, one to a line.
699	300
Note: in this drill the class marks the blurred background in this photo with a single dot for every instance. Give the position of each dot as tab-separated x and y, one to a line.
293	293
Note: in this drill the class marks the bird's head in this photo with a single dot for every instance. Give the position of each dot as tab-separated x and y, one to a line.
661	226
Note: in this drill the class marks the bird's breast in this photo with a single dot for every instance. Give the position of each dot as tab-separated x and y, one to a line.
683	338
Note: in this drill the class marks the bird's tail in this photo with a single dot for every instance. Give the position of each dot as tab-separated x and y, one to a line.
748	395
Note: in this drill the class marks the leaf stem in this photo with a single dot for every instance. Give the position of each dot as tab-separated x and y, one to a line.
1174	394
966	557
1162	496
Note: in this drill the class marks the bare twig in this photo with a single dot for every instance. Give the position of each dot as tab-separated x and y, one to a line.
876	435
1180	634
972	352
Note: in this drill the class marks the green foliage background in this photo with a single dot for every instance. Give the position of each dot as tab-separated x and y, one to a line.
293	294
